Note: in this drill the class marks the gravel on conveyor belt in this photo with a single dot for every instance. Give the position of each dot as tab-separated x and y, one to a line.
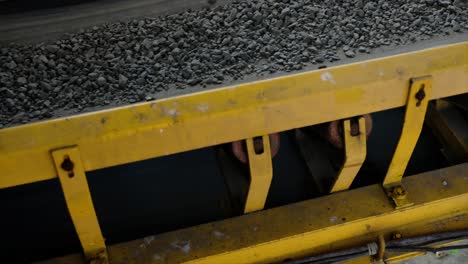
128	62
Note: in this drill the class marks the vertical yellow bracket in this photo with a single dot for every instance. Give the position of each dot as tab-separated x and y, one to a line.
355	154
80	205
261	173
416	106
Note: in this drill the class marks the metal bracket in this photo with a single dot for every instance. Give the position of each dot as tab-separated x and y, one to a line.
72	178
261	172
416	106
355	154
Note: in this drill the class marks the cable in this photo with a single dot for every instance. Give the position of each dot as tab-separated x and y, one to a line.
433	238
332	255
426	249
419	244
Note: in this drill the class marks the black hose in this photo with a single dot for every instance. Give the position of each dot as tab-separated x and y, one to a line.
425	249
342	253
418	244
420	240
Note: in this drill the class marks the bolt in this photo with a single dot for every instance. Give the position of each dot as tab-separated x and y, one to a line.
67	164
398	192
444	183
420	95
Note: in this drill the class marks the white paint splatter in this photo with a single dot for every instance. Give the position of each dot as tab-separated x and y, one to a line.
154	106
183	246
161	130
333	219
255	228
157	257
173	112
203	107
148	240
381	73
327	77
218	234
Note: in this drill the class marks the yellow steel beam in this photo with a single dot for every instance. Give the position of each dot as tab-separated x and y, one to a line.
326	224
355	155
72	178
261	174
178	124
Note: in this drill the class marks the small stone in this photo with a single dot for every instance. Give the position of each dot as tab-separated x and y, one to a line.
93	75
193	82
285	12
350	54
21	80
10	102
109	56
52	48
363	49
122	81
43	59
101	81
257	17
345	48
11	65
147	43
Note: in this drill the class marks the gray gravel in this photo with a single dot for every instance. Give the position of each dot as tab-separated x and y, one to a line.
128	62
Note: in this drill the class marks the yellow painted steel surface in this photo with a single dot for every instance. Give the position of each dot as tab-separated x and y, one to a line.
80	205
412	126
261	174
178	124
355	155
337	221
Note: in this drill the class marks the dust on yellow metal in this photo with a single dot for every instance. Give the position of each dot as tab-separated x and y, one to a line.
261	174
355	154
178	124
326	224
72	178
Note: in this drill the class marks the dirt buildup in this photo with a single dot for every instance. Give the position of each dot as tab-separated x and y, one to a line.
127	62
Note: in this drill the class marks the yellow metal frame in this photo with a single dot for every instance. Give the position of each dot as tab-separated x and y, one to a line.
80	205
178	124
355	155
311	227
183	123
419	92
261	174
412	126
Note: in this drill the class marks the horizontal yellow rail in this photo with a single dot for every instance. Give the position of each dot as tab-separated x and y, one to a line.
178	124
316	226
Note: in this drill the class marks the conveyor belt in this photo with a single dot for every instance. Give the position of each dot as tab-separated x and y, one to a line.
121	63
